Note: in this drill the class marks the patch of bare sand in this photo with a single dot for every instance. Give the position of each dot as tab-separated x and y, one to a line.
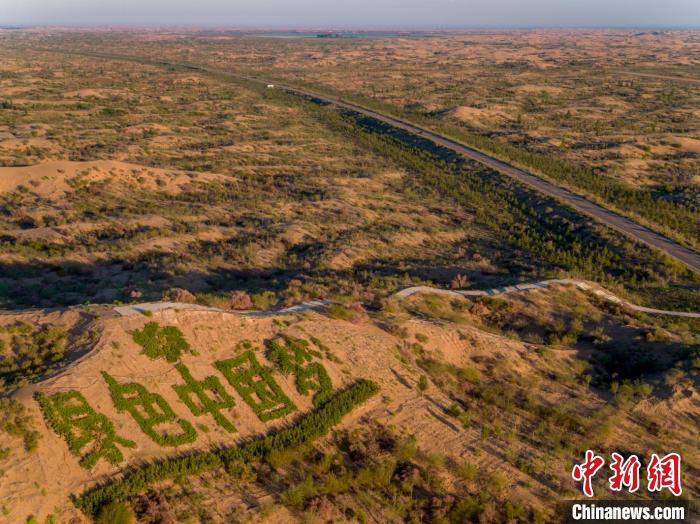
685	143
530	89
21	144
93	93
481	117
50	179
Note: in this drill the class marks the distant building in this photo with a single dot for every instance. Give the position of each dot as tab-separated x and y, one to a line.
270	86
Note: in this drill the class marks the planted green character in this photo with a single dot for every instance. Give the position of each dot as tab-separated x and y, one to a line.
89	435
294	355
254	383
151	412
203	397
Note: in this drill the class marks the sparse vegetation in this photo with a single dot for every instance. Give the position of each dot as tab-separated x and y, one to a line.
29	351
130	180
16	422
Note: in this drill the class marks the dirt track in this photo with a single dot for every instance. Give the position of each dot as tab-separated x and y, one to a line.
139	309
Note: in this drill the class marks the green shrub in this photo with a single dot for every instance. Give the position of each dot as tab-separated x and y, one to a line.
340	312
32	351
467	471
471	375
264	300
116	513
466	510
423	383
15	421
406	449
161	342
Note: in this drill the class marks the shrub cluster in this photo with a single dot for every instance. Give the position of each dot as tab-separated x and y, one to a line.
15	421
161	342
31	351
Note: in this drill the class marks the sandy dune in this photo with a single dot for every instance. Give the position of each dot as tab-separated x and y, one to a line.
50	179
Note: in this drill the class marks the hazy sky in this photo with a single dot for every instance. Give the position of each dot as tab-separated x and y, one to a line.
657	13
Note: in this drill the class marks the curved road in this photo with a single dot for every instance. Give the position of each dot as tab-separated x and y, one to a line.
139	309
687	256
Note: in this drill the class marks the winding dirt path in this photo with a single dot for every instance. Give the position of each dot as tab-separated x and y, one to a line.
139	309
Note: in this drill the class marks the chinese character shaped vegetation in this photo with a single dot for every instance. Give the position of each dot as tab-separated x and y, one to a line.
294	355
86	432
152	413
203	397
161	342
254	383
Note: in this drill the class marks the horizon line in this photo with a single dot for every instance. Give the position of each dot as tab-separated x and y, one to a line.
341	27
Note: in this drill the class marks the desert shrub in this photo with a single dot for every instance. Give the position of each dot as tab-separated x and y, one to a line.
161	342
294	355
176	294
406	449
423	383
471	375
15	421
255	384
149	410
340	312
307	428
70	416
297	495
467	471
466	510
116	513
32	351
240	300
264	300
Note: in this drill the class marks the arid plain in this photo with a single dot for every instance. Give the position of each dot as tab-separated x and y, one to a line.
128	176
